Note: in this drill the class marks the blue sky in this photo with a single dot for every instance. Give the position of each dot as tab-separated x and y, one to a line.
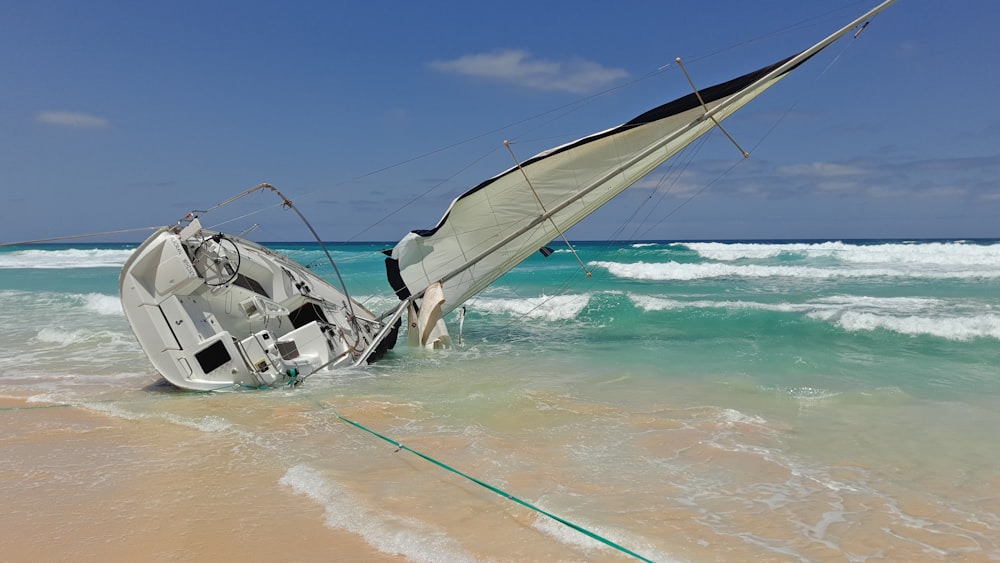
373	116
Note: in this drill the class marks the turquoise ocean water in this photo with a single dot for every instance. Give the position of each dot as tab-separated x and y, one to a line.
782	400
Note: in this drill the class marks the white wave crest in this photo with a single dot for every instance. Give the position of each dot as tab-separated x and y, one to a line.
61	337
16	302
202	423
961	254
733	416
912	316
955	328
674	271
387	533
549	308
908	315
651	303
64	259
102	304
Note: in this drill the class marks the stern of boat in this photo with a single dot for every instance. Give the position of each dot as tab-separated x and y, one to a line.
213	311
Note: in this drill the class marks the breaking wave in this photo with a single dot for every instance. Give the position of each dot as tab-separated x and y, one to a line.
102	304
64	259
549	308
390	534
911	316
674	271
929	253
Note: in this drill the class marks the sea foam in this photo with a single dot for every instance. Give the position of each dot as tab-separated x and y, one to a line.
912	316
954	328
549	308
929	253
60	336
387	533
102	304
64	259
674	271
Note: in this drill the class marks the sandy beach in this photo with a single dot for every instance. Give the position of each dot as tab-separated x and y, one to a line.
70	495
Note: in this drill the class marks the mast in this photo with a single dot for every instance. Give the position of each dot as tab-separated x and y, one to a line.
802	57
653	137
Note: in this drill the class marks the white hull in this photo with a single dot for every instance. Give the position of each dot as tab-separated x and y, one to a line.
213	311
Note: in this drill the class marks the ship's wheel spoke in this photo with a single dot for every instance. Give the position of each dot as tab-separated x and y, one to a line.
217	260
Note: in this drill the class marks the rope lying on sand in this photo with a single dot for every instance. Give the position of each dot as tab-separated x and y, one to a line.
505	494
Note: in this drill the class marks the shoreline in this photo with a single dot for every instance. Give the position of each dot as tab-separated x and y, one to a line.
64	499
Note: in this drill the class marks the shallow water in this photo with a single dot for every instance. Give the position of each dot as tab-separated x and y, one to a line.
703	401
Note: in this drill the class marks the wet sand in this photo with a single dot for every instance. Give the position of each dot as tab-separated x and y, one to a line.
278	478
70	492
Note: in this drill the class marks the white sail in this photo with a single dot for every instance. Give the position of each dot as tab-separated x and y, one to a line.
499	223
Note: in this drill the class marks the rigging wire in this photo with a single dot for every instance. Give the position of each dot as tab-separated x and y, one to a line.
244	216
72	237
414	199
562	111
805	23
835	59
671	178
544	210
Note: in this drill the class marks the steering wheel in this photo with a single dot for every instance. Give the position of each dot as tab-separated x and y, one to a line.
217	260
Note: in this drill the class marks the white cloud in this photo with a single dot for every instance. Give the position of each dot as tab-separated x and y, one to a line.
72	119
576	76
822	169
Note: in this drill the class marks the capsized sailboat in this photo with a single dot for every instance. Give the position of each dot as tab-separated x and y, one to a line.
214	310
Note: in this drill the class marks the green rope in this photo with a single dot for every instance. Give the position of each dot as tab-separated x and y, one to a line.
496	490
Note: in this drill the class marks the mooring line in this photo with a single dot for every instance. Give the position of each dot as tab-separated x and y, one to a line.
501	492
